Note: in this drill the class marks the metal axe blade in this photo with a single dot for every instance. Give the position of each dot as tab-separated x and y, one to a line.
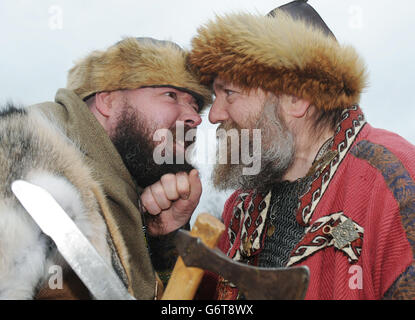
254	282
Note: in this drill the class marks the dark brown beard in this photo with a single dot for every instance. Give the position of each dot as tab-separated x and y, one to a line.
134	141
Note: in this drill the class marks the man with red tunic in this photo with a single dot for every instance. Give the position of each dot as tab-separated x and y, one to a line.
333	193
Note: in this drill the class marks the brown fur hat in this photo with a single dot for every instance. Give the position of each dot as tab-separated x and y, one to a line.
135	63
280	54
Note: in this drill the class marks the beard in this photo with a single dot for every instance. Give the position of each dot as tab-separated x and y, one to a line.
133	139
276	154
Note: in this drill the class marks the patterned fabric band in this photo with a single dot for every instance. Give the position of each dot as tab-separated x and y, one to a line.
287	219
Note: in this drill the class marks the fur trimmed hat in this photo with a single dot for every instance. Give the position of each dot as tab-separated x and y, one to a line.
135	63
286	52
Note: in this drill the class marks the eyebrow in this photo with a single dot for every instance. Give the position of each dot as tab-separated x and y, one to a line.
218	85
194	99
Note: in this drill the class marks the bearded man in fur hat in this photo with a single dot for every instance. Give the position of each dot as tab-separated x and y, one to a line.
92	149
334	194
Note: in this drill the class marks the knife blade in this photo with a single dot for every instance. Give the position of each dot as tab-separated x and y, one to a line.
87	263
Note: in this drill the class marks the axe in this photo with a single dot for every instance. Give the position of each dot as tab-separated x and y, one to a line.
196	255
103	283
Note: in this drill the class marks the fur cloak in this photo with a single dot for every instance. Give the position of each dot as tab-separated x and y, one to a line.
35	149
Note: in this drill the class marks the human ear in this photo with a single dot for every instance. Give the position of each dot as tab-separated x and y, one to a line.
103	103
298	107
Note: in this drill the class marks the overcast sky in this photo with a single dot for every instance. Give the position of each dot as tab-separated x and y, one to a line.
40	40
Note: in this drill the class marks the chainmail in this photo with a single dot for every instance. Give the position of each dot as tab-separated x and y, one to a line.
288	232
282	216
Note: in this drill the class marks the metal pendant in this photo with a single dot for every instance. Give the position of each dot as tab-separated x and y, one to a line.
344	234
247	246
270	230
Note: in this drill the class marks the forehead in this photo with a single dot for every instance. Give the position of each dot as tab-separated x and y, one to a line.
220	83
156	90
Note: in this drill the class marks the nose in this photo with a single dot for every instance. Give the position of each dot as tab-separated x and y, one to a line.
190	118
218	112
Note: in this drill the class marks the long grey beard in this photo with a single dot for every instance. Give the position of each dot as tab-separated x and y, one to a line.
277	152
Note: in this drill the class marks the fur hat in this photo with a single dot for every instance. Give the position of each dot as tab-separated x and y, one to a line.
135	63
285	52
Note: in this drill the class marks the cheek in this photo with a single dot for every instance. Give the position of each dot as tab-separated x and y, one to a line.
244	116
162	117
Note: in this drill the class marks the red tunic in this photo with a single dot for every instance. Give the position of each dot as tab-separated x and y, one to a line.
370	186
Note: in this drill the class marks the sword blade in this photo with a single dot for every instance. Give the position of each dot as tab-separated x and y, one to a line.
78	252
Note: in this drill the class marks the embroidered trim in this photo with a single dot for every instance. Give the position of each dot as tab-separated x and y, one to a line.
336	230
250	217
235	224
247	226
352	123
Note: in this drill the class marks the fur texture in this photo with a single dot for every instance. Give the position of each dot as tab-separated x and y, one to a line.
134	63
32	148
279	55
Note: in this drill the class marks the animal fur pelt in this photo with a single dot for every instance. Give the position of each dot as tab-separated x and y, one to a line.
34	149
280	55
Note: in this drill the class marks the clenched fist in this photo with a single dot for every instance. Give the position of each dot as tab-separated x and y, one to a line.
171	201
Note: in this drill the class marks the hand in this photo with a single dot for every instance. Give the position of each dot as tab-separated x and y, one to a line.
171	201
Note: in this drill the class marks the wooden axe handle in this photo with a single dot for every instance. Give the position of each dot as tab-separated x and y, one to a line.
184	281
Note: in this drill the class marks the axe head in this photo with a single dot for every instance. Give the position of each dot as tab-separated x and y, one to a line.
254	282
